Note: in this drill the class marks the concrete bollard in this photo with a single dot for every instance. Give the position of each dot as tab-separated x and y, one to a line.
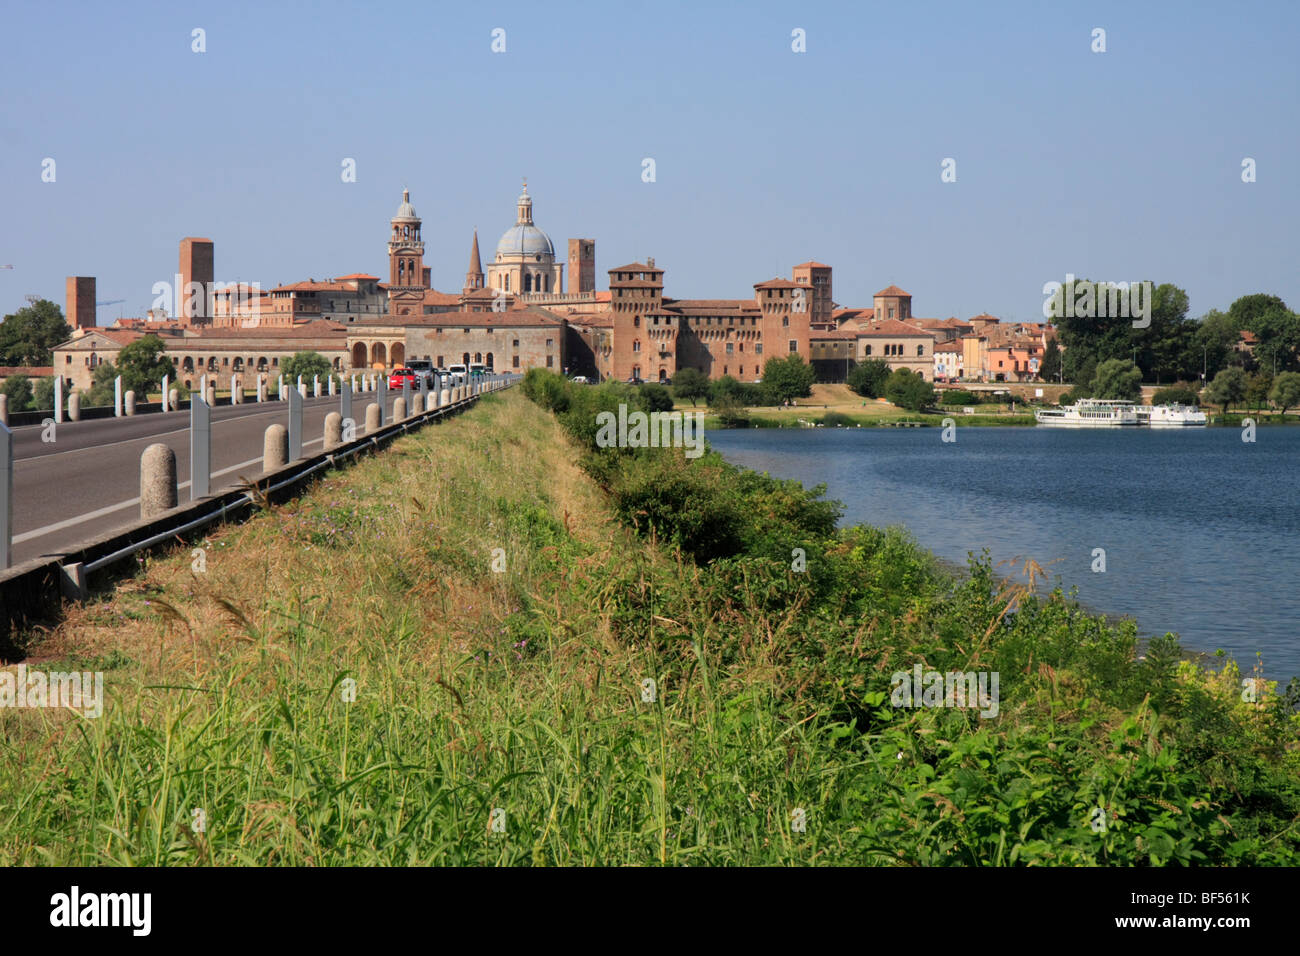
444	399
261	389
211	398
174	399
372	418
333	431
315	386
129	402
74	407
157	477
417	404
399	409
275	448
4	409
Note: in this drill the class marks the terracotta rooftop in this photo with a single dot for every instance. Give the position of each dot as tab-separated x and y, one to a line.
835	334
894	290
31	371
891	327
434	297
636	267
815	265
778	283
511	318
357	275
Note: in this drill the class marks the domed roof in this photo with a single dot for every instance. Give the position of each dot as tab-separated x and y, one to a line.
406	210
525	240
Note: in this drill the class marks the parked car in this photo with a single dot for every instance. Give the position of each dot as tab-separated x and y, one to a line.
402	376
636	380
423	369
459	374
580	380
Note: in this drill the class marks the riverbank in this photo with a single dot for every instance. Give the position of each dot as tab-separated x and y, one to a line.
564	655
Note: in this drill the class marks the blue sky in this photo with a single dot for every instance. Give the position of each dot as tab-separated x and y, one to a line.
1122	165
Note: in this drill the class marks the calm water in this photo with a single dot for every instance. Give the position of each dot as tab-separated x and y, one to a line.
1199	528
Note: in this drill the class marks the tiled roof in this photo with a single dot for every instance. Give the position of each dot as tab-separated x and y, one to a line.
836	334
357	275
31	371
893	290
778	284
511	318
951	346
892	327
636	267
434	297
815	265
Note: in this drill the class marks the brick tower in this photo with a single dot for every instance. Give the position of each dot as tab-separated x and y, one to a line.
406	271
582	265
80	302
195	267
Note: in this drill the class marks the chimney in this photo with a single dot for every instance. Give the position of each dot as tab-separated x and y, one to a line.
650	262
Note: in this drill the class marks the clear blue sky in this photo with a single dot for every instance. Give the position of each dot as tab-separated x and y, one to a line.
1119	166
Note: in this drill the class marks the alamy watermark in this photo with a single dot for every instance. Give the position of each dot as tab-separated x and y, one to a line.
923	688
653	430
75	690
1084	299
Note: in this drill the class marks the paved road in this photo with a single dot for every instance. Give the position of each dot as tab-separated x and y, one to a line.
87	482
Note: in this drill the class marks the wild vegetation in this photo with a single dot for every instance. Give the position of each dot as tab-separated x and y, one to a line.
618	656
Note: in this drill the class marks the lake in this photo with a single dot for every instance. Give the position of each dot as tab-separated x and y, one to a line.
1199	528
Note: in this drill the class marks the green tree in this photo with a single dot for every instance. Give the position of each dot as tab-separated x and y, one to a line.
305	364
19	390
101	385
1247	309
728	386
868	378
1216	334
1050	368
729	409
1257	388
907	389
1182	393
653	397
1278	339
142	366
1229	386
789	378
43	393
691	383
1118	380
1286	390
28	336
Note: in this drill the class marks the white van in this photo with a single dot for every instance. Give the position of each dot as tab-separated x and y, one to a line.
459	374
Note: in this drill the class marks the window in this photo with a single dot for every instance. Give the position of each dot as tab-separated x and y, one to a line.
868	349
516	343
636	346
516	361
758	349
920	350
794	345
731	350
550	343
636	322
785	321
67	360
891	311
550	361
440	361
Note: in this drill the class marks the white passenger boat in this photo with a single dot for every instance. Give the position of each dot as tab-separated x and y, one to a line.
1090	413
1103	413
1171	416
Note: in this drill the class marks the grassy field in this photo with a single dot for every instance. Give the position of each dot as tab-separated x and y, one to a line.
502	621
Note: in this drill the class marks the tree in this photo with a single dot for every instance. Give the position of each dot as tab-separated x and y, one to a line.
1228	386
789	378
1277	332
1118	380
1257	388
691	383
142	366
1286	390
43	393
1182	393
101	385
909	390
729	409
1248	308
28	336
305	364
19	390
868	379
1050	368
653	397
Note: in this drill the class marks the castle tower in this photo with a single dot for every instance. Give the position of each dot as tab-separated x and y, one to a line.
474	276
80	302
636	292
407	276
816	278
582	265
786	316
196	274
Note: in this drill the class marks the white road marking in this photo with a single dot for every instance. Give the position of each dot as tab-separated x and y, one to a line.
100	512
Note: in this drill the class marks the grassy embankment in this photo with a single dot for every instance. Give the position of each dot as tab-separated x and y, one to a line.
523	690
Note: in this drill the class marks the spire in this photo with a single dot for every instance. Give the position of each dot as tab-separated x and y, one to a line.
474	277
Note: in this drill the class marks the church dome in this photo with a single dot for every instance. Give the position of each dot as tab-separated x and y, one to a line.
525	240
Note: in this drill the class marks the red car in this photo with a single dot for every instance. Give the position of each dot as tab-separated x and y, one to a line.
402	376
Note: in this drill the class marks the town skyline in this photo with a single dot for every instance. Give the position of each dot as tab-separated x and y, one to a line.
737	198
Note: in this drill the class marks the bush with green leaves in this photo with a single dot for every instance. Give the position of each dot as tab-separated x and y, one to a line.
19	390
788	378
1181	393
868	378
909	390
691	383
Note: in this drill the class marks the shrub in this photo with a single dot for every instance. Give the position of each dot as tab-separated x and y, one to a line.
1180	394
868	378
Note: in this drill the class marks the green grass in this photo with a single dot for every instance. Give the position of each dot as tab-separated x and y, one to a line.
522	689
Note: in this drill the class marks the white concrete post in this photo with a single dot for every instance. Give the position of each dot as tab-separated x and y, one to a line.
117	397
166	394
58	398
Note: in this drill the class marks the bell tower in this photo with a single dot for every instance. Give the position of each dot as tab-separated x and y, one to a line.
405	248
